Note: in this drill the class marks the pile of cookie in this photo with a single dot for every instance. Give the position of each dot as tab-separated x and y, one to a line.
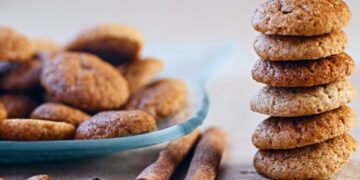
304	66
96	86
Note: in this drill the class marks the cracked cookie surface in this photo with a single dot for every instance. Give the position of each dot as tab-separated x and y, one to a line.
140	72
59	112
84	81
292	48
34	130
301	17
304	73
111	124
294	132
161	98
292	102
319	161
115	43
14	47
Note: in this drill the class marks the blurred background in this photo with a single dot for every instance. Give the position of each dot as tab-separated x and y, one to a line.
184	21
159	20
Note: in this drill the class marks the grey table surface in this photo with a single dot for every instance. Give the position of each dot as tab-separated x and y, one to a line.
230	95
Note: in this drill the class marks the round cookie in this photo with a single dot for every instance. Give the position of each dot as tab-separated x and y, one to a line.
59	112
294	48
35	130
83	80
112	124
139	73
14	46
292	102
115	43
44	47
294	132
39	177
22	76
18	105
161	98
301	17
304	73
3	112
319	161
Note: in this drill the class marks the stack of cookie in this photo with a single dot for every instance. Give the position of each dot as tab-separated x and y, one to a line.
304	66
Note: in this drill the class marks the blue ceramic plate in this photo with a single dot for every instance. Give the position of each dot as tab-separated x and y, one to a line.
195	63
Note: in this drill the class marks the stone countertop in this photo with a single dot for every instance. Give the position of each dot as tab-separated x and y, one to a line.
229	111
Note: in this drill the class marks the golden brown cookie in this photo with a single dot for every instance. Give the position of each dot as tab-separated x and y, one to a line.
14	46
319	161
40	177
84	81
110	124
292	102
287	133
304	73
35	130
115	43
294	48
139	73
42	45
161	98
59	112
18	105
301	17
22	76
3	112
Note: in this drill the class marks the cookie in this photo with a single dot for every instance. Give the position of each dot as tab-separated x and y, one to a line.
115	43
34	130
293	132
139	73
14	47
304	73
59	112
301	17
42	45
319	161
110	124
3	112
161	98
40	177
18	105
291	102
22	76
84	81
294	48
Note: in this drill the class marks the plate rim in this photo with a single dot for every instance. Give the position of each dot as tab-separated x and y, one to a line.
116	144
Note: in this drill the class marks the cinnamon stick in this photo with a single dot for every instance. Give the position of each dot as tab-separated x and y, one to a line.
169	158
208	153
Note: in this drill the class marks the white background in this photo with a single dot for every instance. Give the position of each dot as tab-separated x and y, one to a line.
159	20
